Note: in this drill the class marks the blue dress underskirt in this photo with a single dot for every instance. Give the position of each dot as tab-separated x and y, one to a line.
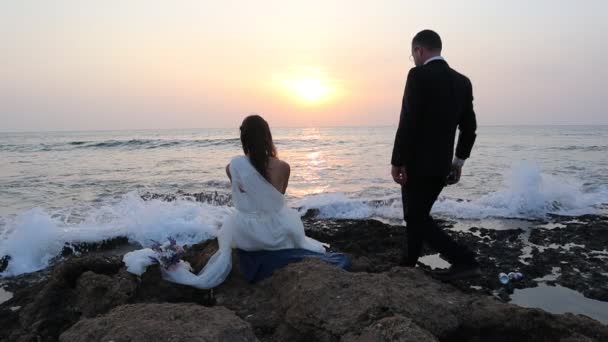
258	265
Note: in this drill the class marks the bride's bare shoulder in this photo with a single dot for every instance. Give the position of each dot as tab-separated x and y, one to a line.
280	164
280	167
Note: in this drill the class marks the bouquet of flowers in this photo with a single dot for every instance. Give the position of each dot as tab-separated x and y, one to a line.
168	254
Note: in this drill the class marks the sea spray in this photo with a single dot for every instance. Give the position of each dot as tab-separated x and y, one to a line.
34	237
526	193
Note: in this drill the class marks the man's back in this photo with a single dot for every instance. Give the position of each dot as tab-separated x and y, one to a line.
437	101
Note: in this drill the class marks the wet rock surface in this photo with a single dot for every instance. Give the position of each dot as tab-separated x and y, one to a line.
92	294
328	304
162	322
4	260
214	198
573	255
396	329
582	250
112	246
372	245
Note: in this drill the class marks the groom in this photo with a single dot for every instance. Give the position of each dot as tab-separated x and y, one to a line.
437	100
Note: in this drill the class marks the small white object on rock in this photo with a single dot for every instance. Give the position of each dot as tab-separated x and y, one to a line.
5	295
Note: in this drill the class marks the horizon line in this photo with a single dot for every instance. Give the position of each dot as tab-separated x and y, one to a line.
69	130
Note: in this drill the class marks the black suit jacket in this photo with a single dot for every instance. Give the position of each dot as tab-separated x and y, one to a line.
436	101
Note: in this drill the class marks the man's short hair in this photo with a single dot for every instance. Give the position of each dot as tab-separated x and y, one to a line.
428	39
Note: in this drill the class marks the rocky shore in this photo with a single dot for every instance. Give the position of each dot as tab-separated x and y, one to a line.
88	295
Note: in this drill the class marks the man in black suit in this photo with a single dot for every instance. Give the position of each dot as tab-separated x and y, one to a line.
437	100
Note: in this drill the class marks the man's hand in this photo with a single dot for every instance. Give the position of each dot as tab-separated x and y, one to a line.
455	174
399	174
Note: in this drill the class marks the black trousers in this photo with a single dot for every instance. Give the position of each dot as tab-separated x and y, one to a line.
418	196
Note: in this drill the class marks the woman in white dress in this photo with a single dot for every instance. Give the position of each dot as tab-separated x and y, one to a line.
261	221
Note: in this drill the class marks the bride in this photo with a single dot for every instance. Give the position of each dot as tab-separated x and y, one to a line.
261	221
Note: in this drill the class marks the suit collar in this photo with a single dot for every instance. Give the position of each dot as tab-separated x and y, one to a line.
435	60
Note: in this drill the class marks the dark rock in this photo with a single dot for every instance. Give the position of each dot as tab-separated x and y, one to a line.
98	293
153	288
198	254
312	301
4	262
68	272
9	320
490	320
162	322
392	329
307	301
54	308
577	252
592	234
499	251
214	198
48	307
85	287
379	242
376	247
324	303
113	244
310	214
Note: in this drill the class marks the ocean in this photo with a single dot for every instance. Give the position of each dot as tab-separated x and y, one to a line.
88	186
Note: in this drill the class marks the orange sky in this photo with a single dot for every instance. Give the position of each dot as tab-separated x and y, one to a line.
159	64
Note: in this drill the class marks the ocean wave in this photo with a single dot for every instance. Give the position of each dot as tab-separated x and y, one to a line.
526	193
35	237
590	148
134	144
116	144
156	143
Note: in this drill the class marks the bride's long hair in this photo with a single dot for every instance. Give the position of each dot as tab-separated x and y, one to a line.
257	143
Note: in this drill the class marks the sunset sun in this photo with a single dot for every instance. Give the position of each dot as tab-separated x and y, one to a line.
312	90
307	85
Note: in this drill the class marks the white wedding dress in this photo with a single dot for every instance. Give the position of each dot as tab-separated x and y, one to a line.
261	221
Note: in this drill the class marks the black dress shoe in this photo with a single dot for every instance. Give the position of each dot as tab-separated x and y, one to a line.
457	272
405	262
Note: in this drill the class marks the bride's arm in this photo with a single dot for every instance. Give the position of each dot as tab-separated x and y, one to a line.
228	172
287	172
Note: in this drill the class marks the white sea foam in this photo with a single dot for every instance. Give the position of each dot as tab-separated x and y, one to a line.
35	236
340	206
4	295
526	193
